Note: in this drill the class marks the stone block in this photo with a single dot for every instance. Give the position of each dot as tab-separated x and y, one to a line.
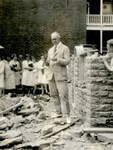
92	60
103	87
103	108
103	73
12	141
95	100
94	73
87	65
97	146
10	134
46	130
110	77
42	116
106	100
98	67
105	137
97	60
94	87
17	119
96	80
101	114
110	95
99	93
97	121
66	135
110	88
110	82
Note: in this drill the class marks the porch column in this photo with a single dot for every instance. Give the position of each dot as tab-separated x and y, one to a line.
101	28
88	11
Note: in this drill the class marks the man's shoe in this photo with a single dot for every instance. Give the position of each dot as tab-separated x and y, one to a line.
67	119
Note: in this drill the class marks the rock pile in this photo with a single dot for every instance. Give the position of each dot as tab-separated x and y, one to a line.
26	123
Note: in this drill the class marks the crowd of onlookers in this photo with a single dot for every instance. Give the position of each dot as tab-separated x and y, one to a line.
25	73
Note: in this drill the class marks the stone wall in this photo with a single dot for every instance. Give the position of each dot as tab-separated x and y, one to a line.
92	95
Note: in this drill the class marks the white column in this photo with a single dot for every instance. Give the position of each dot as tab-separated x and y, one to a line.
101	28
88	9
101	38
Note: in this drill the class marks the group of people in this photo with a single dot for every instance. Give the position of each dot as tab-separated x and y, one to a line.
53	70
25	73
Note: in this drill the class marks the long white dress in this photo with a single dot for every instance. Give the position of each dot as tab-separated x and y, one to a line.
17	72
35	73
42	69
2	68
27	75
9	77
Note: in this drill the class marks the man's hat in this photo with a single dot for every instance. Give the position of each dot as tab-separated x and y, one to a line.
110	42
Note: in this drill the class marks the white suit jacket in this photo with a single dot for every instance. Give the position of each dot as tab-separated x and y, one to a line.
59	69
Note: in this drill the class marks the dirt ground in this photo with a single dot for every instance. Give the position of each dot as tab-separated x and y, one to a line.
30	128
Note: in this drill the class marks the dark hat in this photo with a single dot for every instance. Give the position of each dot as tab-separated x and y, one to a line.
27	55
14	55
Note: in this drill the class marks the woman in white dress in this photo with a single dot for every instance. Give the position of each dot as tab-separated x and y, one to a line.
42	80
27	75
15	67
2	69
35	74
9	77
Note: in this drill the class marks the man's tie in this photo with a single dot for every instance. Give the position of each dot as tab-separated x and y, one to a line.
55	48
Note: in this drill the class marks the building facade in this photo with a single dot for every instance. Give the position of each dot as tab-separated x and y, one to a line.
99	22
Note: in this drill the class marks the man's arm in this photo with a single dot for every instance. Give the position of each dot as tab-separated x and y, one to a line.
66	59
48	59
2	67
109	67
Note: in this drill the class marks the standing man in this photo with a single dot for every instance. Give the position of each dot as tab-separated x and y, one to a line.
58	59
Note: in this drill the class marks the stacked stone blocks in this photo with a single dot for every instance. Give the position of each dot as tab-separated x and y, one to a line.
93	100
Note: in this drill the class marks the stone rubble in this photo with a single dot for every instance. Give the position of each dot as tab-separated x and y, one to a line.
46	130
30	126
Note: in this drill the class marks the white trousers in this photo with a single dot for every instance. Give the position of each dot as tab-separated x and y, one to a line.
59	93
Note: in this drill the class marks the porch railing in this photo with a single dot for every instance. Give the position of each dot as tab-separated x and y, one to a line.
96	19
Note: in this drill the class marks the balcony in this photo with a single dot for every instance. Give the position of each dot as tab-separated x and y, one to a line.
95	21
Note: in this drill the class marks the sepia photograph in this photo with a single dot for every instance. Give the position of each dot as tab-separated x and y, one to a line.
56	75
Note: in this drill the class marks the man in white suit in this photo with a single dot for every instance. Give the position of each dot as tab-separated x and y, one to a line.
58	59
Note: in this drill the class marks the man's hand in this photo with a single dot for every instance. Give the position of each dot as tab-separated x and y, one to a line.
54	63
106	57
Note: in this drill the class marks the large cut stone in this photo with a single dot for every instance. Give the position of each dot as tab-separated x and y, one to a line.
47	129
105	137
10	134
8	142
